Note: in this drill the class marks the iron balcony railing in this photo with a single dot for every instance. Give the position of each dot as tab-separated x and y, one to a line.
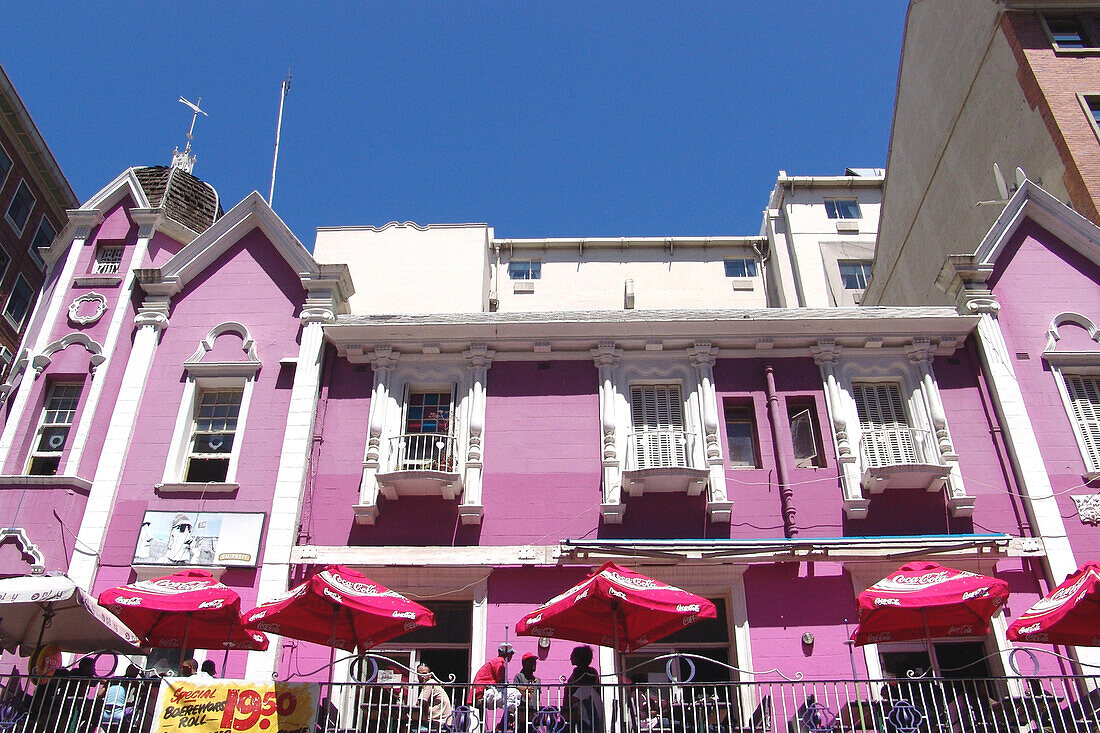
987	705
660	448
1049	704
423	452
898	446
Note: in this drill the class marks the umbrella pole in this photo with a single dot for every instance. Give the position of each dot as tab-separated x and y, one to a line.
46	618
186	633
931	648
228	643
620	707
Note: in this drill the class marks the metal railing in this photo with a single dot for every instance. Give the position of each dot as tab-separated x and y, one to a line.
988	705
63	704
660	448
423	452
898	446
1049	704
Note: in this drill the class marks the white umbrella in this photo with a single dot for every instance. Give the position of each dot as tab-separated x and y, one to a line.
51	609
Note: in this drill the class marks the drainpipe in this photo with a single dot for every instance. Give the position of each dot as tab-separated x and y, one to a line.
786	495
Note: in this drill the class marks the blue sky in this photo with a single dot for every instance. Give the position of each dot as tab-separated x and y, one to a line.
540	118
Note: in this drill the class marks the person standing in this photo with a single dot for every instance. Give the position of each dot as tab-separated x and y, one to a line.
490	678
582	691
528	685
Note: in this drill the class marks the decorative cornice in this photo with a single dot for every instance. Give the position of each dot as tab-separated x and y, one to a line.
249	366
478	355
826	351
607	354
43	359
702	354
921	351
384	358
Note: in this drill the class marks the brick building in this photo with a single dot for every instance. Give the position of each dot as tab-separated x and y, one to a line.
34	196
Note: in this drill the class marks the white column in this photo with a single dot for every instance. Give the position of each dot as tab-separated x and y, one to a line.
1023	445
478	359
702	357
146	220
479	634
150	321
42	322
826	355
286	502
607	358
383	362
739	621
920	355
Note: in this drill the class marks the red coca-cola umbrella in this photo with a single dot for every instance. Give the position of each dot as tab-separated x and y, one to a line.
616	607
1068	615
187	610
923	600
340	608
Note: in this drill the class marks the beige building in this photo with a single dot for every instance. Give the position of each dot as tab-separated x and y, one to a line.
984	83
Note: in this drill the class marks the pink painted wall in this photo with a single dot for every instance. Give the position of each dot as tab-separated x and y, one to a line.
542	453
51	517
252	284
327	516
1033	260
515	592
779	615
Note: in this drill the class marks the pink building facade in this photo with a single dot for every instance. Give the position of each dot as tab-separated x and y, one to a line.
215	402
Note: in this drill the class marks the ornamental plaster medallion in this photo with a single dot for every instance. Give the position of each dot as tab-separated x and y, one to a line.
1088	508
87	309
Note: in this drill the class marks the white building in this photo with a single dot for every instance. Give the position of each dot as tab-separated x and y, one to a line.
821	234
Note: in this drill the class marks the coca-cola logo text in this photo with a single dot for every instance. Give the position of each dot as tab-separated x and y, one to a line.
131	601
887	601
688	607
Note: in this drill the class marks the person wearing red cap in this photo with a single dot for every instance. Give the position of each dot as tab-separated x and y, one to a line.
528	685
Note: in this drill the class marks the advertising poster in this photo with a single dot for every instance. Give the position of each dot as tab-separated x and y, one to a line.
226	539
235	706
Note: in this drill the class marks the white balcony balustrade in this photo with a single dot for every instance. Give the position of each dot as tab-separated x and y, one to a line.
662	460
422	464
901	457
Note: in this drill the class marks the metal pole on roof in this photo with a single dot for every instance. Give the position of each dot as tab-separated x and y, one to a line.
283	90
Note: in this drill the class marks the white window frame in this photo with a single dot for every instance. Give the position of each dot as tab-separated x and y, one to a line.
42	425
834	199
175	469
672	454
424	388
859	263
33	249
532	271
750	265
11	166
1090	44
102	248
7	212
30	303
1090	455
4	267
900	453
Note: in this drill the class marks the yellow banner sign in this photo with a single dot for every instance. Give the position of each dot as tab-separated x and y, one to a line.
235	706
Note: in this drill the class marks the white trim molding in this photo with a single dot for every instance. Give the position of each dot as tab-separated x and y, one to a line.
394	375
28	548
40	361
247	367
934	464
704	470
87	319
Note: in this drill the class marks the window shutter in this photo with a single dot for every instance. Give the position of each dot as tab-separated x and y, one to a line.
887	438
1084	394
657	414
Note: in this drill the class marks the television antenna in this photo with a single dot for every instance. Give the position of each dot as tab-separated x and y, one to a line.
1003	190
284	89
